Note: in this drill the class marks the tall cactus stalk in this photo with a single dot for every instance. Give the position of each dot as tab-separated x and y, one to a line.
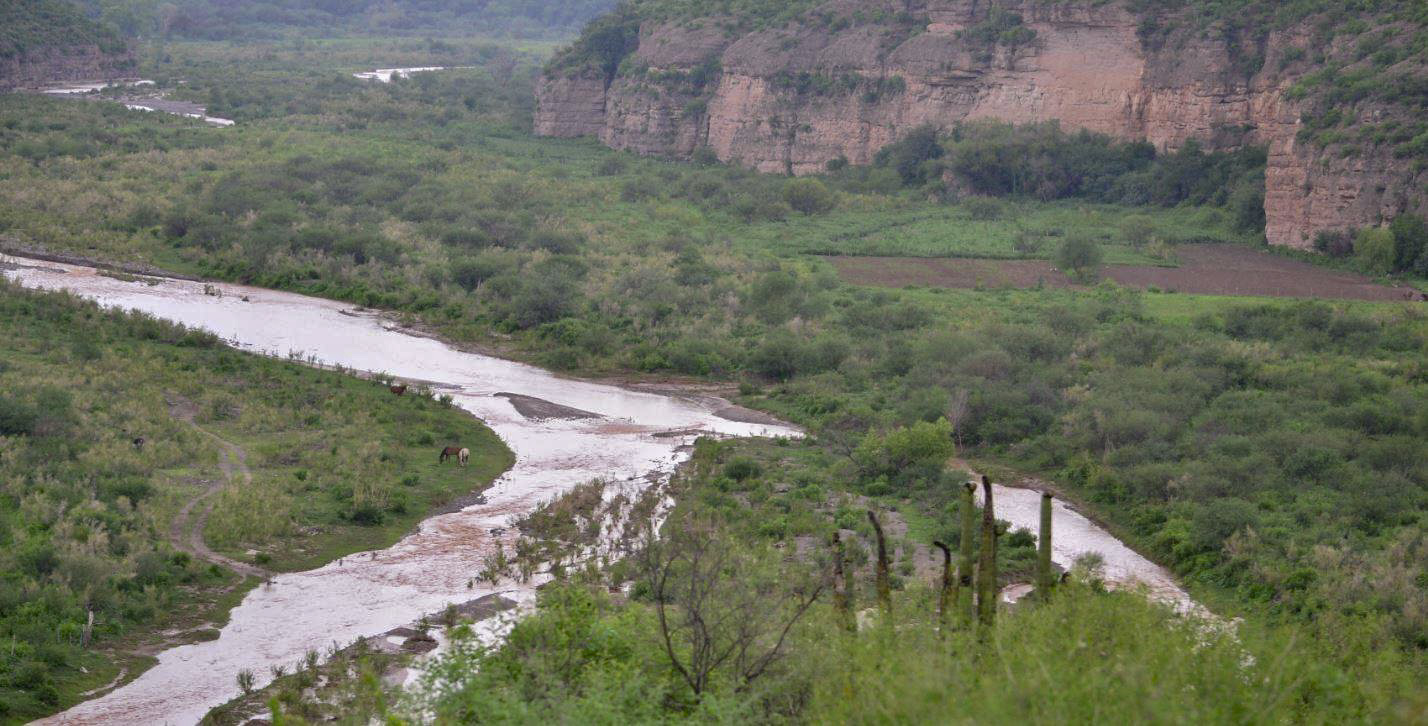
987	567
842	586
1043	550
884	586
948	595
966	546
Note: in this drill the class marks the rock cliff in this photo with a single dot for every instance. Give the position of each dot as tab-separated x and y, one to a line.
792	98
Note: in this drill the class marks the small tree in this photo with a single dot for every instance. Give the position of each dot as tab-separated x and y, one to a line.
1374	249
1137	230
722	607
1079	256
1410	240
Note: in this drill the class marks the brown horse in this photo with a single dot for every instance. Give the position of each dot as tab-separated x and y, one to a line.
449	452
398	389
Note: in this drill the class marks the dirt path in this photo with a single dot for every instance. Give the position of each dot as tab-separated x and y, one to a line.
186	532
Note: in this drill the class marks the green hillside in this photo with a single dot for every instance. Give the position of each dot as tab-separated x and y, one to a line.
27	25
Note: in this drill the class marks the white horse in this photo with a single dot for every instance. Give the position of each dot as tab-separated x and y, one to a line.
464	456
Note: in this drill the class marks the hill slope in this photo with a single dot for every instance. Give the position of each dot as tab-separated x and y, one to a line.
1335	95
51	40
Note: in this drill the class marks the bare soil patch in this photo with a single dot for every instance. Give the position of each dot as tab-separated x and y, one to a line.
1204	270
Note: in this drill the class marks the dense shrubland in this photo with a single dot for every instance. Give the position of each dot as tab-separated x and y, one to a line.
1400	247
1042	161
85	515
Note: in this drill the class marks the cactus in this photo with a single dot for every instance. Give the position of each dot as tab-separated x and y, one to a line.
987	567
843	586
948	594
965	606
1043	550
884	587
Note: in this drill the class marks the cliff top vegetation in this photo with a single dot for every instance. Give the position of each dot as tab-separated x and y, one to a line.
28	25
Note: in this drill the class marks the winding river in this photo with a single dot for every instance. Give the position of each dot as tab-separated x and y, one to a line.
637	437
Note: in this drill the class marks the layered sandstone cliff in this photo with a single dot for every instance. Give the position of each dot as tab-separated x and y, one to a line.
793	98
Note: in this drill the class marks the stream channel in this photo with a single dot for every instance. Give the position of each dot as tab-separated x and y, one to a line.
638	437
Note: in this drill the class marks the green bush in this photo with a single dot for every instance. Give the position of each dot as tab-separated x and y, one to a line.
809	196
1137	230
1410	241
1374	250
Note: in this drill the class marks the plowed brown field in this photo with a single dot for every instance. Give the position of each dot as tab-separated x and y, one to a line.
1204	269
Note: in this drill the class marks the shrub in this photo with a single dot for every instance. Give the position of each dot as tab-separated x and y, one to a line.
17	418
1374	249
613	166
1137	230
1334	243
909	155
983	209
742	468
809	196
1410	241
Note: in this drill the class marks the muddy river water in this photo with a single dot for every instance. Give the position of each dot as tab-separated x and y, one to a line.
362	595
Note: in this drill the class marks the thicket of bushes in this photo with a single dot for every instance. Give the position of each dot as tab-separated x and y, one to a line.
1042	161
260	19
1400	247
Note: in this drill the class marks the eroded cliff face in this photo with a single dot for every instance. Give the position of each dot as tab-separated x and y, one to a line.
790	100
57	65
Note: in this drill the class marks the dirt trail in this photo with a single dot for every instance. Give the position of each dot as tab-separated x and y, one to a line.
186	532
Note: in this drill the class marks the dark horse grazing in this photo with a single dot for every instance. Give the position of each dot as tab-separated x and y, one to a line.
447	453
399	389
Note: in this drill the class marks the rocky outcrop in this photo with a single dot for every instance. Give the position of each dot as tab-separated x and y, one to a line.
791	99
46	66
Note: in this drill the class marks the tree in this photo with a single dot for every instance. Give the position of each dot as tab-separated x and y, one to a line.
722	607
909	155
1080	256
1374	249
1410	240
1137	230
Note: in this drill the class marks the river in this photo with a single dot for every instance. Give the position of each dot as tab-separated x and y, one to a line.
367	594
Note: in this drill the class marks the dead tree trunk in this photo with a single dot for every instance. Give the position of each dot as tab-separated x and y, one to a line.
884	586
987	567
